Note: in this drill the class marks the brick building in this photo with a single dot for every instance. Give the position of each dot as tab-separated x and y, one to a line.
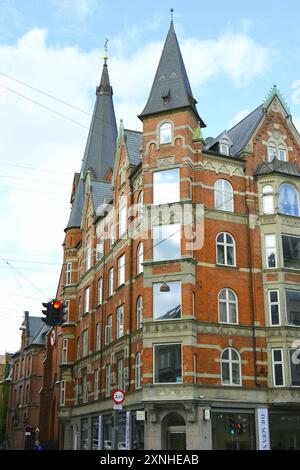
181	277
26	380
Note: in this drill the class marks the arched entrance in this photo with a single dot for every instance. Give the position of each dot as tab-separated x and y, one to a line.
174	432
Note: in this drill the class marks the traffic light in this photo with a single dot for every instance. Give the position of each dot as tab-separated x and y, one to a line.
239	428
48	312
231	423
57	312
54	313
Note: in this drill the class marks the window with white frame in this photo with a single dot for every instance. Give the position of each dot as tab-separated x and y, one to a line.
166	242
139	258
100	249
64	351
224	148
293	307
138	371
231	367
140	206
69	273
274	307
122	216
121	374
120	321
139	312
223	196
88	257
78	348
278	367
294	357
167	305
121	270
107	380
270	248
291	251
108	330
282	154
100	291
288	200
225	249
67	311
85	334
165	133
86	300
63	392
96	384
268	199
228	307
98	336
110	282
272	152
167	363
85	397
166	186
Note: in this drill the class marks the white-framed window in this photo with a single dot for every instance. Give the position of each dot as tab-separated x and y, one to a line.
78	348
121	270
107	380
87	300
167	363
122	216
100	291
67	311
270	248
291	251
282	154
88	257
110	282
120	321
166	242
274	307
294	358
98	336
224	148
278	367
167	305
139	312
292	298
140	206
228	307
139	258
138	371
63	384
165	133
64	351
231	367
268	199
85	397
121	374
272	152
225	249
166	186
108	330
288	200
69	273
223	196
96	384
85	337
100	249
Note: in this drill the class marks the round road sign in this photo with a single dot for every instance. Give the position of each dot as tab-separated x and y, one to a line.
118	396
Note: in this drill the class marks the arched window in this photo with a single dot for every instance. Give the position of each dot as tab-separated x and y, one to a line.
139	312
223	196
268	199
231	367
138	371
165	133
282	154
228	307
272	152
225	249
140	203
139	259
288	200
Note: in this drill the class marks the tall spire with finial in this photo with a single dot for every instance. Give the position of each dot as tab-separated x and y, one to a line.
105	51
171	11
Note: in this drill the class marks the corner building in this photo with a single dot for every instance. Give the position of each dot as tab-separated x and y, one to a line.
197	322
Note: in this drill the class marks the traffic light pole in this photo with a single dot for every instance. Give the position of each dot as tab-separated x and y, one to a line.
114	443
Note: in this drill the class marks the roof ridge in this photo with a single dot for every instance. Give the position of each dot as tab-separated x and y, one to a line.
132	130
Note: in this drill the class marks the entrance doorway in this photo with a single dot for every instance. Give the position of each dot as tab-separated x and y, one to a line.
174	432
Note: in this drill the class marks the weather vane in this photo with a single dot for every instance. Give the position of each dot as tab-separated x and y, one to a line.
105	50
172	11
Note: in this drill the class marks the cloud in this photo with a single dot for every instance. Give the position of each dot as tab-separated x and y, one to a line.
81	8
238	117
296	121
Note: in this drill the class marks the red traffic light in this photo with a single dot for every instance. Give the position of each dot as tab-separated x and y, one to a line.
57	305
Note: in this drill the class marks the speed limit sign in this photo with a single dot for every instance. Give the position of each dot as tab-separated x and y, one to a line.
118	396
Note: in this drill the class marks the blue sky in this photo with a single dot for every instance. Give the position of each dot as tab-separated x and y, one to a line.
234	52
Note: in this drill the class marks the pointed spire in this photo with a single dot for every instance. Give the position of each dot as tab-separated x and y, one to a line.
171	87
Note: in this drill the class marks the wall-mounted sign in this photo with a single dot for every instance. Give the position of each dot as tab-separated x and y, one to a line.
140	415
263	429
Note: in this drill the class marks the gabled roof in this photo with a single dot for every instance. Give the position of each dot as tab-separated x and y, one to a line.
242	132
171	87
133	142
101	193
278	166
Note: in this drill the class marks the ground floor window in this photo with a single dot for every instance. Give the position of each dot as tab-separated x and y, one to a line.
107	432
285	430
121	435
84	434
233	430
95	433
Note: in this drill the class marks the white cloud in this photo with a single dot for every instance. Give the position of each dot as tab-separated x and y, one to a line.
238	117
296	121
81	8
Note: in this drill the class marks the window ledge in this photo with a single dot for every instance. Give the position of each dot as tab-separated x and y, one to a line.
227	266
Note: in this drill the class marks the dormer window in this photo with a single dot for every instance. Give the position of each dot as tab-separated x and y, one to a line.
282	155
272	153
165	133
224	149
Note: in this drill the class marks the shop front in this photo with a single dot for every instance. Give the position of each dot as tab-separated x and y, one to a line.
233	429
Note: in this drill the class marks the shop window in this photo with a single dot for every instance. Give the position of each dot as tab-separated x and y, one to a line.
166	186
222	439
223	196
231	367
107	433
167	305
166	242
84	434
293	307
228	307
167	363
291	251
294	356
288	200
284	430
95	433
225	249
137	433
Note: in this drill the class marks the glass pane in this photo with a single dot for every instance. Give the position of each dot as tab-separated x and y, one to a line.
291	251
165	133
222	310
220	238
222	294
167	305
275	315
221	254
288	200
232	313
107	433
277	355
225	373
168	363
225	354
230	255
170	247
234	355
268	204
293	307
235	373
274	296
95	428
295	366
166	186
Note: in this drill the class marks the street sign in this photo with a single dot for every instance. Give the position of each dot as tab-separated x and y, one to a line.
118	407
140	415
118	396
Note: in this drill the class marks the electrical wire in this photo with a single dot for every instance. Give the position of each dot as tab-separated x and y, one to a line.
33	180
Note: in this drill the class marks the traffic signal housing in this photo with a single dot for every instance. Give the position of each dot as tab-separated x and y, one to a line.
232	428
54	312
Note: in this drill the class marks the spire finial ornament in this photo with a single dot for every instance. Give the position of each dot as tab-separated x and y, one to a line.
171	11
105	51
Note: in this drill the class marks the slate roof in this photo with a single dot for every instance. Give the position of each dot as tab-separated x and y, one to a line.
133	142
278	166
171	82
241	133
101	193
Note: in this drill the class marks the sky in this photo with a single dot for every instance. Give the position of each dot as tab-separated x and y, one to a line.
234	52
